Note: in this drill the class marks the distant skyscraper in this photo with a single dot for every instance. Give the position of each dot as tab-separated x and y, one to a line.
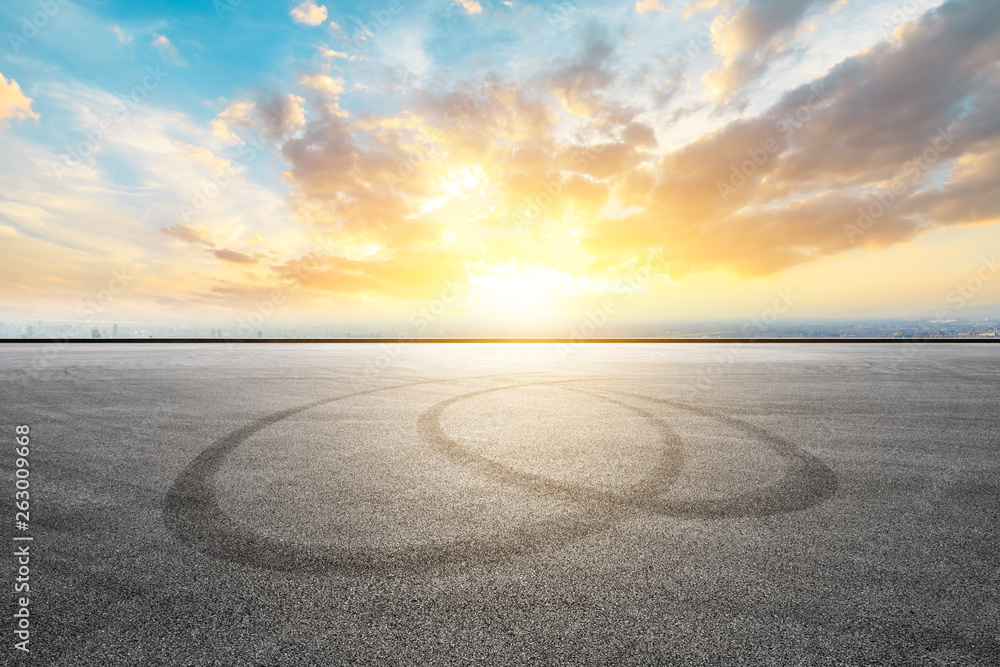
114	331
95	333
30	331
260	334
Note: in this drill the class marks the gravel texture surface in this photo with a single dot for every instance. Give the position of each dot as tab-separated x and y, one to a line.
508	504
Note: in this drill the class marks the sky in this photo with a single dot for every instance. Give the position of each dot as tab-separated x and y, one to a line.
490	163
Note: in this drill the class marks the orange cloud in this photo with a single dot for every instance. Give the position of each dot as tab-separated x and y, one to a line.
487	174
270	114
649	6
234	256
413	275
470	6
13	103
751	35
833	165
189	234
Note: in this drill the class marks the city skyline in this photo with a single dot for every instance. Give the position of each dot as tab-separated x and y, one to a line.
594	327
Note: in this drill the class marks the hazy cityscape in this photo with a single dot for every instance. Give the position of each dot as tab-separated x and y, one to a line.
888	328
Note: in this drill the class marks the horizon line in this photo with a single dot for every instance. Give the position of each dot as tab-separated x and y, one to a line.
563	341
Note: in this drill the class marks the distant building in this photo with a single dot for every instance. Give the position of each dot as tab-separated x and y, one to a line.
94	333
260	334
114	331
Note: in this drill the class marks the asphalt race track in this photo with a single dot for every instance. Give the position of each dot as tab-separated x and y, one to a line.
508	504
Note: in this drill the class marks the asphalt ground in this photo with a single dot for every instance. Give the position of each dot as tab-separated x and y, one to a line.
507	504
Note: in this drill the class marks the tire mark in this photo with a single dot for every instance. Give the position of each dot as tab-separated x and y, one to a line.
192	513
807	480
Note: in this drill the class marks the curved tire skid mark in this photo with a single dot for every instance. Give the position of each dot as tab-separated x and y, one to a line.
192	513
664	473
807	480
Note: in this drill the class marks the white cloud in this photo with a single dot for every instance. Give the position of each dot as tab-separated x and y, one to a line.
323	84
122	36
327	52
167	50
309	13
80	215
275	115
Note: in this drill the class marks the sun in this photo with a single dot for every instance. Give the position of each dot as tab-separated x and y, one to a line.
511	295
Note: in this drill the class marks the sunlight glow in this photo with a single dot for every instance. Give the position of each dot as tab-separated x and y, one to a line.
509	293
458	182
514	294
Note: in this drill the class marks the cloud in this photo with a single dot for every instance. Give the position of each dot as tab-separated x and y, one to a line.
273	115
568	163
13	103
649	6
222	131
411	274
308	13
638	134
461	165
893	141
123	37
88	222
167	50
470	6
323	84
578	82
485	172
750	36
234	256
327	52
189	234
